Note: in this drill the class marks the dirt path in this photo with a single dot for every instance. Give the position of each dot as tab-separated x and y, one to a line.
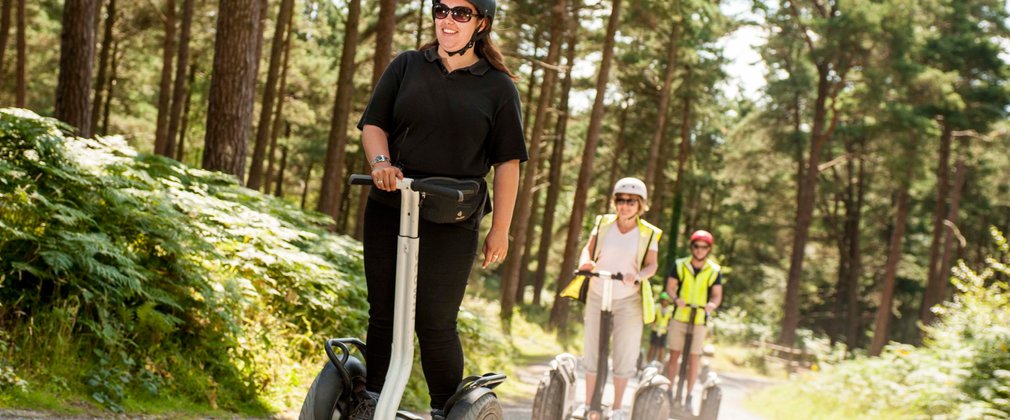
736	387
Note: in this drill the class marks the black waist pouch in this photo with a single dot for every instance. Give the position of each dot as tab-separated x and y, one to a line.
439	209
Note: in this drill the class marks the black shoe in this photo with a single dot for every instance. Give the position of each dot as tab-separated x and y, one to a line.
364	409
437	415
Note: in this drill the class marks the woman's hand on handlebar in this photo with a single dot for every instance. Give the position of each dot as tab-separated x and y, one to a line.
680	303
385	175
587	266
630	279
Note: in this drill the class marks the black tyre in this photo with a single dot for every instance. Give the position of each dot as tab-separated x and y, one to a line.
487	407
321	401
651	404
548	404
710	402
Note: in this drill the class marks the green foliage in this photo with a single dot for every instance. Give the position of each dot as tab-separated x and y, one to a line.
962	369
163	280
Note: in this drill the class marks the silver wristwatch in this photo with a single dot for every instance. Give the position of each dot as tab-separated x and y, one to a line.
379	159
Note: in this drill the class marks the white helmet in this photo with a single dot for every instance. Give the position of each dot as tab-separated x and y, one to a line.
633	186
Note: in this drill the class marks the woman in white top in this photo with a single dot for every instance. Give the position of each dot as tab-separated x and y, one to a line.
620	243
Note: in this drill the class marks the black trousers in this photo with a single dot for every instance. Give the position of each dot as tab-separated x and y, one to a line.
446	256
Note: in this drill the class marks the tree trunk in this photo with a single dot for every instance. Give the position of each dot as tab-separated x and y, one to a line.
883	319
165	88
332	186
537	39
279	190
282	90
232	87
255	180
559	313
557	161
853	222
524	271
383	54
820	135
103	61
664	101
683	154
22	82
931	295
305	184
113	80
522	219
5	28
615	162
947	255
180	152
77	56
421	17
179	88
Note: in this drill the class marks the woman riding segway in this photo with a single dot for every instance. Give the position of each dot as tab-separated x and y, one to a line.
450	109
620	243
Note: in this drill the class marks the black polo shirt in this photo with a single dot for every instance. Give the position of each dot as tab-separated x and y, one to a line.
438	123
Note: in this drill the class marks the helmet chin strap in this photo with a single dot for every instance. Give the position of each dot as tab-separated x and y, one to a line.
462	51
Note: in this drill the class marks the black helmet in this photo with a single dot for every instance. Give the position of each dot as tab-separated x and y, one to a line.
485	9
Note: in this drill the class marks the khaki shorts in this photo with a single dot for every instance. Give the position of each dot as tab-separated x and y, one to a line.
676	333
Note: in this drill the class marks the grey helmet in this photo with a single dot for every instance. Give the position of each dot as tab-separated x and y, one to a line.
485	9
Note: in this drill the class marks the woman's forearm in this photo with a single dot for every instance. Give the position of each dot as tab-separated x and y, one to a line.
506	187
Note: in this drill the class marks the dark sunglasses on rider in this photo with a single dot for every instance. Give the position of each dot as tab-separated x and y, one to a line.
696	246
628	201
460	14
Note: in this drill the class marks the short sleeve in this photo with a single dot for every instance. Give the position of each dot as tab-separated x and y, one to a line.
506	140
673	271
379	111
654	244
718	278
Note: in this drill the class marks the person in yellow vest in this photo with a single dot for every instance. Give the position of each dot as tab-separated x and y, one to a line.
694	280
620	243
657	339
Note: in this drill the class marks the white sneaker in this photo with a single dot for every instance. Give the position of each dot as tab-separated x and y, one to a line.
617	415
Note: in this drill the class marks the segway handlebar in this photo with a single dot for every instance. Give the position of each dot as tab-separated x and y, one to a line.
602	274
414	184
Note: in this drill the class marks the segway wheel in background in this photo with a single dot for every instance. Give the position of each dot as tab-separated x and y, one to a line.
321	401
487	407
548	404
710	401
651	404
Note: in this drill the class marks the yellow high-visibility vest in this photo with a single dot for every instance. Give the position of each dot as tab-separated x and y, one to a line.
694	288
647	235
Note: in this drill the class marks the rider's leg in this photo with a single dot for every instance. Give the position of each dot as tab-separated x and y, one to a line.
628	329
692	371
446	255
697	346
380	236
590	387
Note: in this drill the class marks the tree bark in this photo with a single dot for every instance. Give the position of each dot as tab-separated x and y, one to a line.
524	264
557	161
332	186
278	119
255	180
22	83
77	56
537	39
615	162
883	318
232	87
113	80
946	257
165	87
664	101
820	135
421	17
279	190
683	155
383	54
103	61
559	313
935	281
522	219
180	152
853	220
305	185
5	29
179	84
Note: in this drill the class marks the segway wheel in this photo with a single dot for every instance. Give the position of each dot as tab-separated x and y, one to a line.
487	407
651	404
321	401
548	404
710	402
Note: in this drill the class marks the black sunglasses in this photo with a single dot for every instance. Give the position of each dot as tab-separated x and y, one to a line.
460	14
700	246
628	201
